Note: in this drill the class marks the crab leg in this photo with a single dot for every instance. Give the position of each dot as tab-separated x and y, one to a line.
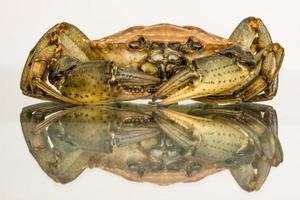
267	58
53	93
271	58
32	83
48	158
251	176
58	41
252	32
264	87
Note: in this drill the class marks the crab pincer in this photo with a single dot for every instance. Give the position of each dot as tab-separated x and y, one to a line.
100	81
217	74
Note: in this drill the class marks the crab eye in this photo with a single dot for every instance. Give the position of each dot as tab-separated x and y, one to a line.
138	44
194	45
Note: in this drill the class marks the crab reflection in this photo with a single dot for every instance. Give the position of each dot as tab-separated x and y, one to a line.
181	143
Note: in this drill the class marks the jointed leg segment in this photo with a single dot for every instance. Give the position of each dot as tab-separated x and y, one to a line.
62	39
252	33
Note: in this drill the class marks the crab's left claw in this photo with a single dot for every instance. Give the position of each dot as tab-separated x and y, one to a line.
180	80
206	76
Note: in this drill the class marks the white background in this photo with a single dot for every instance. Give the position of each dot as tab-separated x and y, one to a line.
22	23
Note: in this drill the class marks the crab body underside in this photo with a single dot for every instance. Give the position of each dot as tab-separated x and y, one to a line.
163	61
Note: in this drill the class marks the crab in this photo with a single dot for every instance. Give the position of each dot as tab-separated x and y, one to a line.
182	143
162	61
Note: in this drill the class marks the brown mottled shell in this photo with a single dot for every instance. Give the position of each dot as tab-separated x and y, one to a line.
164	33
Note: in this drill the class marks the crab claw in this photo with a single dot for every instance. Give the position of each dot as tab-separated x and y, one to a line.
207	76
180	80
132	135
121	75
126	76
180	133
100	81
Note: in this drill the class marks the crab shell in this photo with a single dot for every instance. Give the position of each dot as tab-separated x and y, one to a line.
113	46
117	163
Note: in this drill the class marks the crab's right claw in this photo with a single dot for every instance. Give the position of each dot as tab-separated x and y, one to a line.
130	77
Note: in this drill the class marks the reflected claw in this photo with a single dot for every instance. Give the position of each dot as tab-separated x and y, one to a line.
131	135
177	127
